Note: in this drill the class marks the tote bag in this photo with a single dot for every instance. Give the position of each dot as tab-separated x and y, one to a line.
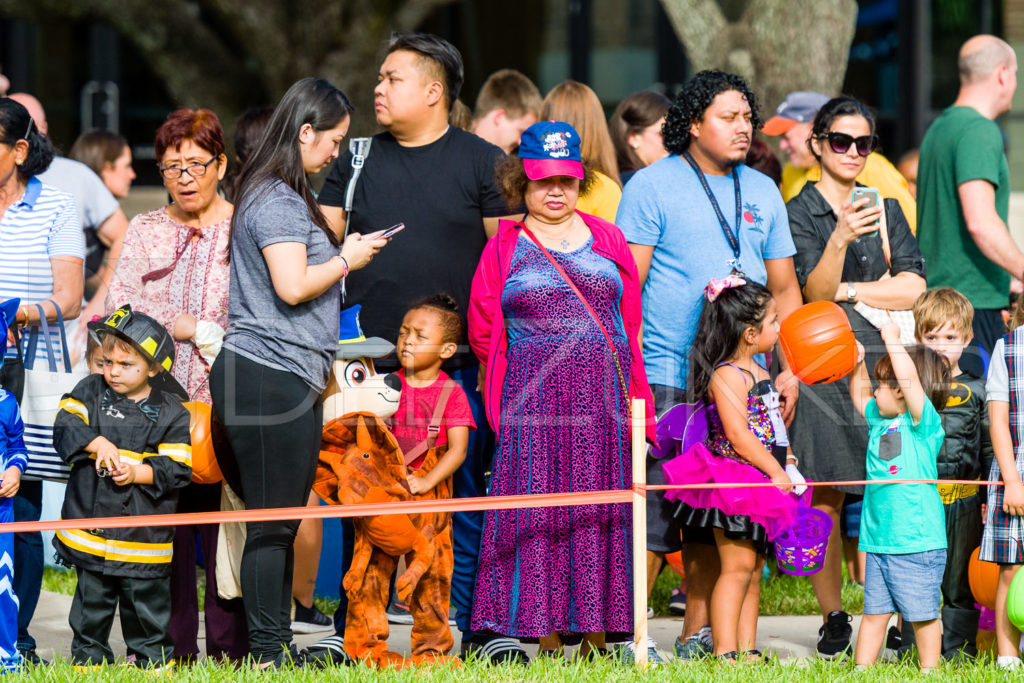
47	379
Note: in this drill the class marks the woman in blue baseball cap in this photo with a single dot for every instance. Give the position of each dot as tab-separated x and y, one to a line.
554	317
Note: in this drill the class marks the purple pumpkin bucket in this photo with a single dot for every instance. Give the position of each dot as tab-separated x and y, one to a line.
800	549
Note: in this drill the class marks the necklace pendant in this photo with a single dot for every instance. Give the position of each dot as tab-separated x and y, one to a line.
564	244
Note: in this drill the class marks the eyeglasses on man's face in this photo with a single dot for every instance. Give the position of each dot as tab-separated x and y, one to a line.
194	170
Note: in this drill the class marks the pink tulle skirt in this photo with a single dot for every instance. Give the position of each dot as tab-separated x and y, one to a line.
772	508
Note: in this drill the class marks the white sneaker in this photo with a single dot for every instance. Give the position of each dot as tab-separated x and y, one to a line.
627	654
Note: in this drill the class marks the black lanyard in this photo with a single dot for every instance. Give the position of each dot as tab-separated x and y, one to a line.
730	236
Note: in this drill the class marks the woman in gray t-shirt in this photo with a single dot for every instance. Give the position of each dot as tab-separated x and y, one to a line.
283	316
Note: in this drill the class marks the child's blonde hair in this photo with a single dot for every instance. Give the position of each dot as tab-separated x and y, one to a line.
939	306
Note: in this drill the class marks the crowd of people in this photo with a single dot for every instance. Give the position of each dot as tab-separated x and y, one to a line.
553	264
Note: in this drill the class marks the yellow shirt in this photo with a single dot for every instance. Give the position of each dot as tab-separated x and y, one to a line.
603	198
878	172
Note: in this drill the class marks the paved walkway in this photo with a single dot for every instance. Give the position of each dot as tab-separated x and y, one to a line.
790	637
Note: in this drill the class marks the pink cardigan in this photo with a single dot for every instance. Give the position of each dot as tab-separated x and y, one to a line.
487	334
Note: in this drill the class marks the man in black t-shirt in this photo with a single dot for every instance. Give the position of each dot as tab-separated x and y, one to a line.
439	181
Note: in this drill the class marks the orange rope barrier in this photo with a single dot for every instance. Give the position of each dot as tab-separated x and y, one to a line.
450	505
329	511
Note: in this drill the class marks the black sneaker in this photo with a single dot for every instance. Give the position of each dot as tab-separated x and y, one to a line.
834	636
31	657
326	652
495	649
398	613
309	619
677	603
893	640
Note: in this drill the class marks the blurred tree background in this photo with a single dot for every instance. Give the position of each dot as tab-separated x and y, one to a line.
778	45
230	54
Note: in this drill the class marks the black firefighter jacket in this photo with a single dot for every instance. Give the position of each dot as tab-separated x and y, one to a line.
967	449
154	431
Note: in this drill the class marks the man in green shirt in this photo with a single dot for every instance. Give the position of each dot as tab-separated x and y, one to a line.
964	190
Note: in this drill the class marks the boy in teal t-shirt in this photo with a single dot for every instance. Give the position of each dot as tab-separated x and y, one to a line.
903	527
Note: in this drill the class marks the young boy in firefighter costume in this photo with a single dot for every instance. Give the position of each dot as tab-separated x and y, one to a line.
14	459
125	434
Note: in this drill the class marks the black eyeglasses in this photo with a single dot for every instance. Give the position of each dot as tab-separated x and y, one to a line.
840	142
194	170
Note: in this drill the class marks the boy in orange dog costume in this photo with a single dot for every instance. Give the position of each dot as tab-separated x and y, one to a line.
363	462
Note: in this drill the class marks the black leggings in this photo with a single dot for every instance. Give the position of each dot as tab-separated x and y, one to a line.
273	421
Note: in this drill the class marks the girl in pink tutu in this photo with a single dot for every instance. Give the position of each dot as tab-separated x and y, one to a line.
746	443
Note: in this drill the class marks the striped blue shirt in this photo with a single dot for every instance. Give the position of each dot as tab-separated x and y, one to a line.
41	225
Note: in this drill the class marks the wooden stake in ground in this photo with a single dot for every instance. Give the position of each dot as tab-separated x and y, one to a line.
639	534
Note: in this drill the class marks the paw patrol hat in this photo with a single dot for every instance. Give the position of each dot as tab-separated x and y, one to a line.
550	148
146	335
8	310
352	343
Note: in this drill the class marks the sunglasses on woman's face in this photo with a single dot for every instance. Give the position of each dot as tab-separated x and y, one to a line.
840	142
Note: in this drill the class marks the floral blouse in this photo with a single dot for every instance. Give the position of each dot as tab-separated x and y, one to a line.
198	284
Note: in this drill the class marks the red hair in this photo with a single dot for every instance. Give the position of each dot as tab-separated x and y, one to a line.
201	126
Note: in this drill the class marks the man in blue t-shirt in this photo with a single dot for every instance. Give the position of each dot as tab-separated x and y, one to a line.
698	214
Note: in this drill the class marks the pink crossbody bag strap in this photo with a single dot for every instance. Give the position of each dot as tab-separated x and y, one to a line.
435	423
586	304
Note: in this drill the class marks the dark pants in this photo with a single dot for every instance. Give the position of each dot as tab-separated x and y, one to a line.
226	634
145	607
959	616
273	421
663	531
28	558
469	481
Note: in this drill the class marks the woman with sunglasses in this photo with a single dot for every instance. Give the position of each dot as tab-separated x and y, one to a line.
840	258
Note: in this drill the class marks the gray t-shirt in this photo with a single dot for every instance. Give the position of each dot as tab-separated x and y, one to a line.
94	201
300	339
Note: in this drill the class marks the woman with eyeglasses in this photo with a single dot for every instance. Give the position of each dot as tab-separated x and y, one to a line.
174	267
840	258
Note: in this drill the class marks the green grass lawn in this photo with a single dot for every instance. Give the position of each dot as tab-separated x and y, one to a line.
809	670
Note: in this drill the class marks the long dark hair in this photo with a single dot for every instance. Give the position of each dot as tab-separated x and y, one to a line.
277	155
633	116
248	131
721	327
16	124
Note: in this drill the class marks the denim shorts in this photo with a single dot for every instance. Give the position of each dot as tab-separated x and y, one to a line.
909	584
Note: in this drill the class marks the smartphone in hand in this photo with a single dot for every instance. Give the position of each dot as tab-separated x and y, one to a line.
871	193
385	234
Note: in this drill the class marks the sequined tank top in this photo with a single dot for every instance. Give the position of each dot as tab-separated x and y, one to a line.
764	419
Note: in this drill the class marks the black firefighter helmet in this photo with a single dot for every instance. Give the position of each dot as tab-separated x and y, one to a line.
149	337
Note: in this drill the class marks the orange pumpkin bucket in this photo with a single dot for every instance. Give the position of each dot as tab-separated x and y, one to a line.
818	342
982	577
205	469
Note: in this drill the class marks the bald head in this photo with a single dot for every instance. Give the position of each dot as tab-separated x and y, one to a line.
35	109
981	55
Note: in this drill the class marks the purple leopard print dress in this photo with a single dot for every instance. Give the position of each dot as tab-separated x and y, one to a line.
564	428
